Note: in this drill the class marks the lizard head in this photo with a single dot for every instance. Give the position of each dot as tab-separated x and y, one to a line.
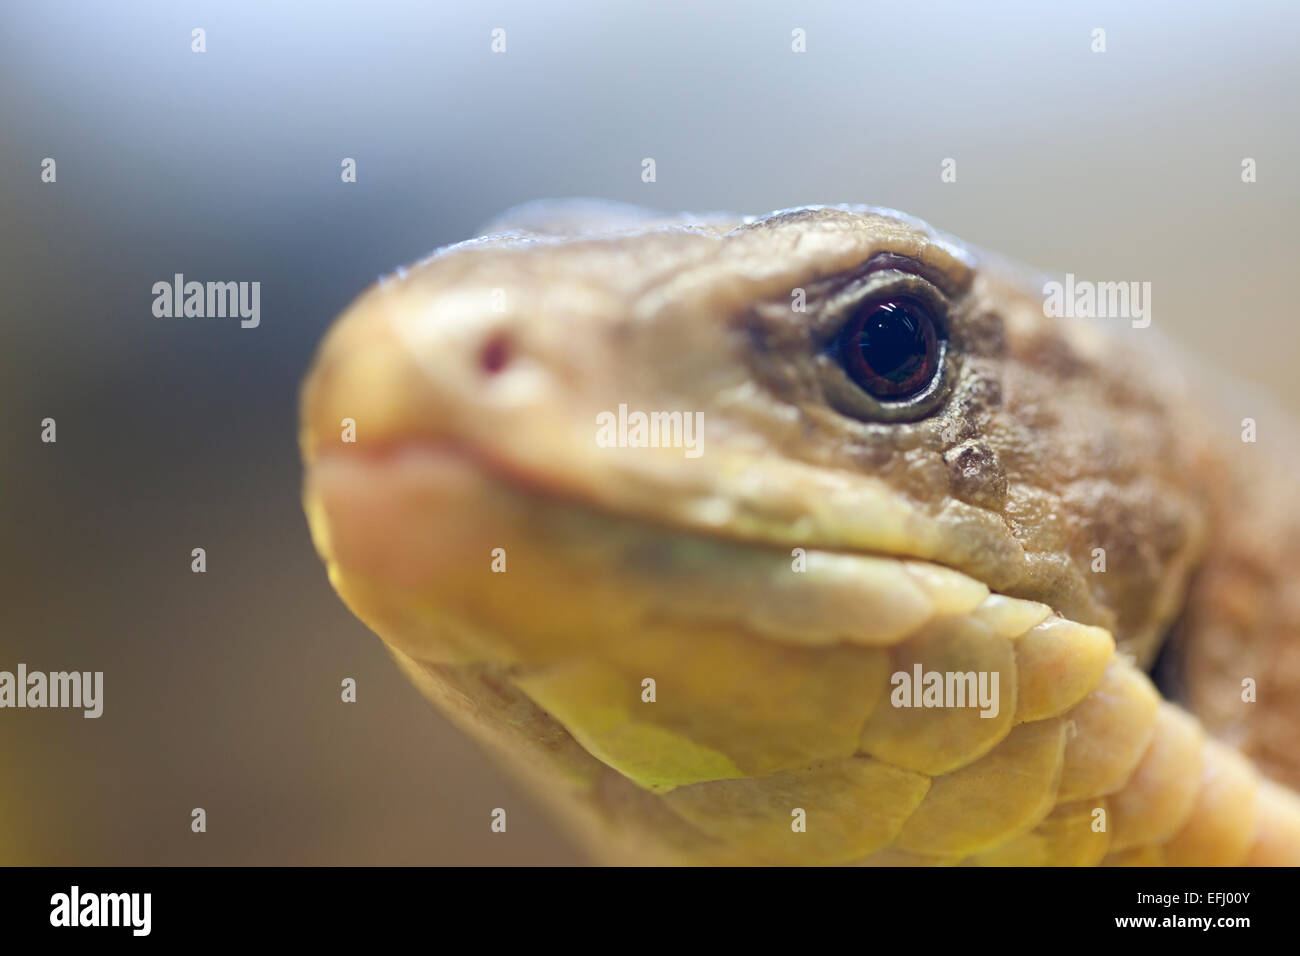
661	510
836	379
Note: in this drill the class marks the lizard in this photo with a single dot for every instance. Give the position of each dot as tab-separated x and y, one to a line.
905	468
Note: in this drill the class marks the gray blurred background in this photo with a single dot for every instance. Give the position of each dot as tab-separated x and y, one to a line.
222	689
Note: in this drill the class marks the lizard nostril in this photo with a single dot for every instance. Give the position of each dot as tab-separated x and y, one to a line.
495	354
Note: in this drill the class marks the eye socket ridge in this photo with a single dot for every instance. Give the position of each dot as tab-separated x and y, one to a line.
840	302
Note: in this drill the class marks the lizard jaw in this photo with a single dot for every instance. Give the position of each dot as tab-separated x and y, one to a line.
454	563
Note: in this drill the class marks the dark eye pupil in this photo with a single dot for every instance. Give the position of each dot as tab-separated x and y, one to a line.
891	348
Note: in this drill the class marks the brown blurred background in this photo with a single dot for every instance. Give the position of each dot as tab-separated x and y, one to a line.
222	689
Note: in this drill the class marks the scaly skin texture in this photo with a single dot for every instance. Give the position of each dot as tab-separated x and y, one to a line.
771	586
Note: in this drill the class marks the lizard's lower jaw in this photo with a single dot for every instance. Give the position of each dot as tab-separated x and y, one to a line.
763	658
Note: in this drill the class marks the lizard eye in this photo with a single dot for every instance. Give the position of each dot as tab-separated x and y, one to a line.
881	349
891	349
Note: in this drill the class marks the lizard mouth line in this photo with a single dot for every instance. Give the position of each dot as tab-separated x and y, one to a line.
432	459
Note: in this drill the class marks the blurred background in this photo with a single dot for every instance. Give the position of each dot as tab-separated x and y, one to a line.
222	689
